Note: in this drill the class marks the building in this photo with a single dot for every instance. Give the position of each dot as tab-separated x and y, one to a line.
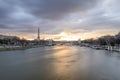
49	42
9	37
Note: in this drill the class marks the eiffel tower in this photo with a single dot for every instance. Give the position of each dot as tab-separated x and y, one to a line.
38	37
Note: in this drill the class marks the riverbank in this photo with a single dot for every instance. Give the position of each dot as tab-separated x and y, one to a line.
108	48
105	47
9	48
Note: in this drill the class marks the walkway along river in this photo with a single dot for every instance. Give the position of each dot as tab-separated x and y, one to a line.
59	63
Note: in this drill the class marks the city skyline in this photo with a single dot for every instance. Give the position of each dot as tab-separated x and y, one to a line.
59	19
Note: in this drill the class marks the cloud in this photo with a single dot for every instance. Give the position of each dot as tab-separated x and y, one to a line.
55	16
55	9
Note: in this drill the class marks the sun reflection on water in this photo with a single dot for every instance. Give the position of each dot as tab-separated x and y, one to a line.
63	66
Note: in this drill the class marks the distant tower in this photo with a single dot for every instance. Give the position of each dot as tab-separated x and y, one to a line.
38	34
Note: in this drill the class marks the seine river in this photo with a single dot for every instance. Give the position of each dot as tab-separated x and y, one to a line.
59	63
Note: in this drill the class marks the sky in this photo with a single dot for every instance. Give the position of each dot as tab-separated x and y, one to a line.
60	19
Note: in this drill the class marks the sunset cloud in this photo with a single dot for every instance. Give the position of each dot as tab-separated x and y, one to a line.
79	17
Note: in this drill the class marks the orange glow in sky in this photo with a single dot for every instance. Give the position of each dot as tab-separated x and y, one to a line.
67	35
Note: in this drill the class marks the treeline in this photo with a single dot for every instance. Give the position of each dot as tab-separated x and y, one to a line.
105	40
16	41
13	41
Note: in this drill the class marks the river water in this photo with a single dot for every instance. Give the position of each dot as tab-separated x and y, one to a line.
59	63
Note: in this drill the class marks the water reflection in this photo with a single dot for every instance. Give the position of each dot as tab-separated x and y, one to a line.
60	63
63	65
